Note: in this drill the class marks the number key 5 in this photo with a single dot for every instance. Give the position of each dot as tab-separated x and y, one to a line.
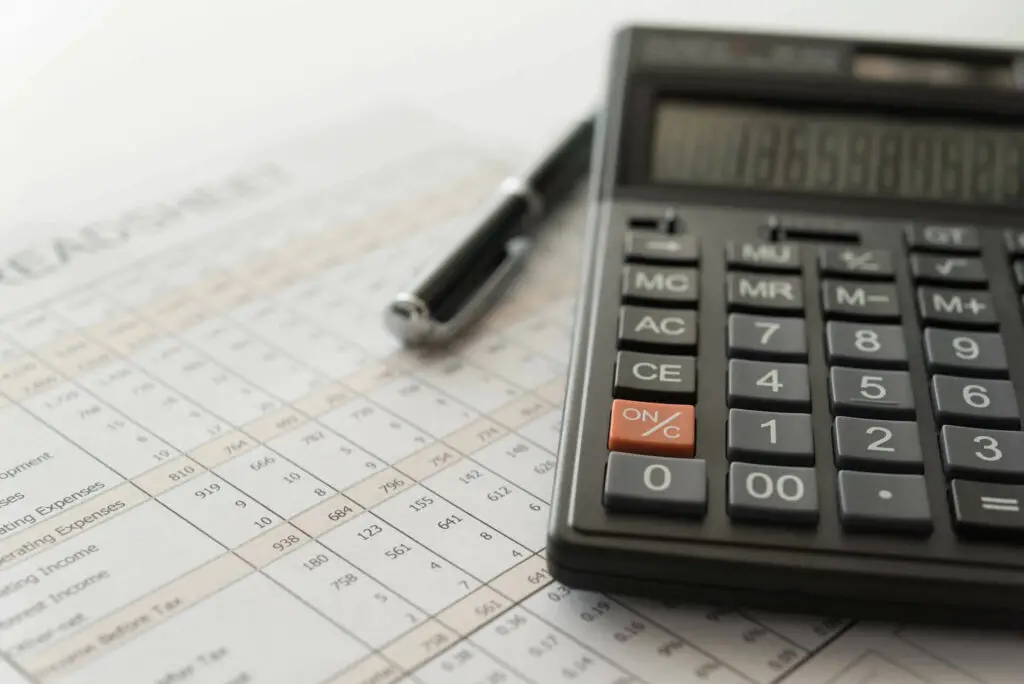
870	393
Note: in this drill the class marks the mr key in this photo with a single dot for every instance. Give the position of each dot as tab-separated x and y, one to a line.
780	394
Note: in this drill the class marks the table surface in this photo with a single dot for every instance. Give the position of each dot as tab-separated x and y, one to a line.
92	90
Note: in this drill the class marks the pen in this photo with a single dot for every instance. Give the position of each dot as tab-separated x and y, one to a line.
467	281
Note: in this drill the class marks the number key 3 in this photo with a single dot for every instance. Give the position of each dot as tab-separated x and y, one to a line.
983	454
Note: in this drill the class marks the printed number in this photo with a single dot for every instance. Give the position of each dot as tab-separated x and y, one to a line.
771	430
990	448
976	396
871	387
866	341
657	478
769	329
965	348
770	379
762	486
877	445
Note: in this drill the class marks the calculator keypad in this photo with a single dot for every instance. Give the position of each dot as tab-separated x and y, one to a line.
878	454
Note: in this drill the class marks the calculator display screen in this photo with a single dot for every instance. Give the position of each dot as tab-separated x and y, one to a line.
864	155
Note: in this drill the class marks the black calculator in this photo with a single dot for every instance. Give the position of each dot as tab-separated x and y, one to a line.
798	359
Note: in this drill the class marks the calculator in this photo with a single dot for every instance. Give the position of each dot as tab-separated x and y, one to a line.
798	356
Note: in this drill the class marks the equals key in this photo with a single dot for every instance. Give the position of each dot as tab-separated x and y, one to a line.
987	507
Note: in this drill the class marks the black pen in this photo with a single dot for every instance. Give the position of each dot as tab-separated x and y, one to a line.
467	281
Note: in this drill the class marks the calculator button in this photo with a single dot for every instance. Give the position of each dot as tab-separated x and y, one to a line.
881	445
643	327
767	337
855	262
1015	242
770	385
775	438
950	270
863	344
983	453
975	401
1018	274
656	429
964	352
938	238
660	248
764	292
870	393
659	284
657	485
639	376
851	299
884	502
967	308
987	506
764	256
772	493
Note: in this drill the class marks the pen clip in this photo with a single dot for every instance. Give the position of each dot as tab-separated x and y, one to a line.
411	319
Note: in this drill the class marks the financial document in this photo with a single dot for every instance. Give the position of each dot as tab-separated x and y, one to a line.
219	468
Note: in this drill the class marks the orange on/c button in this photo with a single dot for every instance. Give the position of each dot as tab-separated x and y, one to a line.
642	427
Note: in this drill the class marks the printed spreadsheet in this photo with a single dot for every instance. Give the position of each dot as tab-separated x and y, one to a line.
218	467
